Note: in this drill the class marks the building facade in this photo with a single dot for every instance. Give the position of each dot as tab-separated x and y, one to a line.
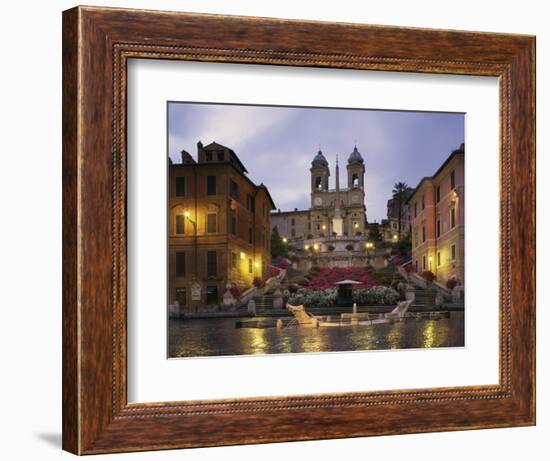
332	212
218	227
398	224
436	211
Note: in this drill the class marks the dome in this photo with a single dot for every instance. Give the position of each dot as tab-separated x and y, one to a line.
355	156
320	158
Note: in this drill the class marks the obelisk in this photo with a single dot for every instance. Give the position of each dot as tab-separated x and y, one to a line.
337	221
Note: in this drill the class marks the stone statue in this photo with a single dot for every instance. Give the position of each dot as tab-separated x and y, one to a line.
439	299
457	294
278	298
229	300
252	307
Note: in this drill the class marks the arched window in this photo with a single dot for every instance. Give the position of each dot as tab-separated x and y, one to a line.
318	183
354	180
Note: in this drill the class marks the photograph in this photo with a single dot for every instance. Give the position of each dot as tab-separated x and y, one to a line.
275	230
313	229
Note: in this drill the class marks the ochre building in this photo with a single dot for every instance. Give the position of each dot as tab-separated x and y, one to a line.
436	213
218	227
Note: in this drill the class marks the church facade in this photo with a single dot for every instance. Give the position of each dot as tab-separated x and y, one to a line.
334	212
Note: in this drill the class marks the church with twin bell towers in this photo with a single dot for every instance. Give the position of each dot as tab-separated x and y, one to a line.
334	213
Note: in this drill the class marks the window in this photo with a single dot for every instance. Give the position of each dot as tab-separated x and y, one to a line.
423	232
211	294
438	194
180	296
438	227
293	233
180	224
180	186
233	260
415	241
318	183
250	234
221	157
452	180
250	266
292	222
211	223
423	203
424	262
393	225
233	189
180	264
211	185
416	265
250	203
453	217
354	180
234	225
209	156
438	258
211	263
415	207
453	252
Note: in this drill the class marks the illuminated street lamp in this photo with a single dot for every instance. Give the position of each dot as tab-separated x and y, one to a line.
187	215
315	247
369	246
394	238
285	240
306	247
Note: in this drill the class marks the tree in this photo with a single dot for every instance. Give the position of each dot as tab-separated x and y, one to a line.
374	233
278	247
399	196
404	246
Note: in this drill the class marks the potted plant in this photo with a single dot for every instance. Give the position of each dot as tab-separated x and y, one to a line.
429	276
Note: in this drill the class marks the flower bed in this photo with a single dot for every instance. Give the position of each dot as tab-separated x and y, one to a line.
327	297
314	298
327	277
375	295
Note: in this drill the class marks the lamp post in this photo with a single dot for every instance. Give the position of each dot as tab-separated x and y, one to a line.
187	216
369	246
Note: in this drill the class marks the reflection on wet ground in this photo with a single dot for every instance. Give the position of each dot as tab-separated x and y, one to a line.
215	337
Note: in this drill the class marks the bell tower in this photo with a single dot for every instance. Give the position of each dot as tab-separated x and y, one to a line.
319	178
356	192
356	170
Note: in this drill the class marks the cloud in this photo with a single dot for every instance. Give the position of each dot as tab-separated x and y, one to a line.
277	145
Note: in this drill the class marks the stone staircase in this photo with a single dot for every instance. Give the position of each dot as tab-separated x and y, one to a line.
424	298
264	302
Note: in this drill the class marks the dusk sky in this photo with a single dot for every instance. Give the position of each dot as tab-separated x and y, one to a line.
277	145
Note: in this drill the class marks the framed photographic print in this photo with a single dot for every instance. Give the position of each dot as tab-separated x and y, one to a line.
281	230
